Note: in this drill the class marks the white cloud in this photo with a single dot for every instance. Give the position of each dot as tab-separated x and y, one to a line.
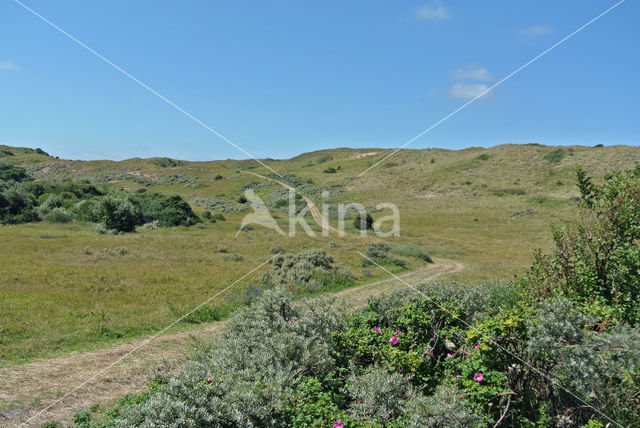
8	65
536	31
432	12
471	73
468	90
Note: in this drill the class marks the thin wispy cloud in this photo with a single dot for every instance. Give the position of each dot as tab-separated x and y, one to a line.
432	12
471	73
8	65
467	91
537	31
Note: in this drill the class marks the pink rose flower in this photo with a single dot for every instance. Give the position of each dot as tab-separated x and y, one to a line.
477	346
377	330
393	340
398	331
208	379
338	424
450	355
478	377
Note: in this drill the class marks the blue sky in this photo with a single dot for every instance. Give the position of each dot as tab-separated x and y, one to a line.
281	78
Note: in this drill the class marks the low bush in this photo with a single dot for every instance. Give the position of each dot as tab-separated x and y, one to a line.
380	253
555	156
168	210
166	162
324	158
118	213
308	270
58	215
411	250
363	221
17	205
508	192
13	173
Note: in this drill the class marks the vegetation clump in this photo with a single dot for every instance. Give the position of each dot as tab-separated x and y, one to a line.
380	253
556	155
412	250
308	270
439	356
363	221
118	213
597	257
166	163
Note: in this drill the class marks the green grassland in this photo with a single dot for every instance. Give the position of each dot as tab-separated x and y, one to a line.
65	287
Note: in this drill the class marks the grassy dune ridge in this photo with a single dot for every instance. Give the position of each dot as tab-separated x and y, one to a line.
64	287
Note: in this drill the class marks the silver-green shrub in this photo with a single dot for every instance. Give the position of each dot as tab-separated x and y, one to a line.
255	368
309	269
377	395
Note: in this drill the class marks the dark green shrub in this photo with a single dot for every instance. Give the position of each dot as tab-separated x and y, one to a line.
86	211
16	204
168	210
118	212
596	259
330	170
483	157
363	221
508	192
281	203
13	173
166	163
324	158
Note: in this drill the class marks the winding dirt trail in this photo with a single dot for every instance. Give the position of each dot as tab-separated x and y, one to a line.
26	390
313	209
